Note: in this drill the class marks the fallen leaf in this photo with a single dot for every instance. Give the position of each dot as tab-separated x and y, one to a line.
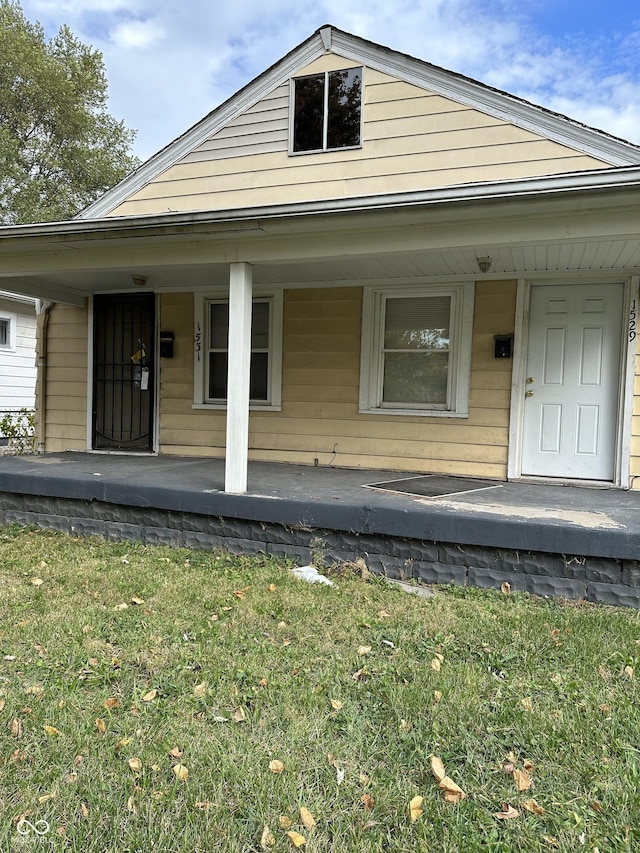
551	840
3	703
219	719
111	704
360	674
339	776
263	682
508	812
125	741
45	798
453	793
176	752
15	728
266	839
508	768
336	704
437	768
122	606
384	614
414	809
284	821
527	703
306	818
628	671
135	764
137	601
276	766
239	715
436	664
523	780
37	581
367	801
203	805
84	809
271	588
364	650
437	696
131	805
296	839
200	690
17	755
180	772
505	588
527	764
596	806
150	696
52	730
405	726
101	725
533	807
77	761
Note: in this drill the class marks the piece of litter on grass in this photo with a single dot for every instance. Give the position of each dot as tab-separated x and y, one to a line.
311	575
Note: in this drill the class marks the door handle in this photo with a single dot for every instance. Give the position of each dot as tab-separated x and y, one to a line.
528	393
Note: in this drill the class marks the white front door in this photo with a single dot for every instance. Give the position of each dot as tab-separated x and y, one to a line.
572	381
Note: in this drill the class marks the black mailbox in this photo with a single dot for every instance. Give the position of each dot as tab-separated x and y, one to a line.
166	344
502	346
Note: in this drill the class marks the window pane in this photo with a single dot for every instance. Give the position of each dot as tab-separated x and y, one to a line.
4	333
418	378
218	366
219	325
260	325
308	113
258	381
345	90
417	323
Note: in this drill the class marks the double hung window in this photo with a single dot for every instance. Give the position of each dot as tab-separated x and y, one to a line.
212	352
416	350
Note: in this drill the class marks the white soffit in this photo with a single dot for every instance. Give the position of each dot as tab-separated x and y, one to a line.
501	105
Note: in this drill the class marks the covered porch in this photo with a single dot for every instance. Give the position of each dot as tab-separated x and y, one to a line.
567	541
492	242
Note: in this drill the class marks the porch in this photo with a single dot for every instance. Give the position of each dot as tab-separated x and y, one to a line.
569	541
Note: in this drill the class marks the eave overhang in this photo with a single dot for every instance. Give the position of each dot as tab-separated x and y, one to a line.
68	261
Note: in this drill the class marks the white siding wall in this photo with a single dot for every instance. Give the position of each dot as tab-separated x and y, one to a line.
18	362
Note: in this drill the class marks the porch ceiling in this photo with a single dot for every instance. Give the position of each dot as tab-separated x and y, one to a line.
584	234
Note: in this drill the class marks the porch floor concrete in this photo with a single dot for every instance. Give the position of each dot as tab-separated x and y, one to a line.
589	521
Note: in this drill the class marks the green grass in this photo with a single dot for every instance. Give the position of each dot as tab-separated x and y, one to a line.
245	661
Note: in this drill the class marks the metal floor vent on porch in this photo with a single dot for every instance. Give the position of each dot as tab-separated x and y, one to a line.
432	486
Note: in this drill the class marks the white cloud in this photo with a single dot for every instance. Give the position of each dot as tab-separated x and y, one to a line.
139	35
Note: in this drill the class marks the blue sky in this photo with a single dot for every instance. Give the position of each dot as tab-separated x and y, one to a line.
170	62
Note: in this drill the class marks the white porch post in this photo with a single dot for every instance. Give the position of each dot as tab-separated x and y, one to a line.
240	294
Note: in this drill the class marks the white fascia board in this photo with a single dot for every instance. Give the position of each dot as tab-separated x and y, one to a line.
501	105
208	126
600	180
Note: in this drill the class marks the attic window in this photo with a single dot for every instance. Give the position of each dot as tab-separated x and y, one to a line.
327	110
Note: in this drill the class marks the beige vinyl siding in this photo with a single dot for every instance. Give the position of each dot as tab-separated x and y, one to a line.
66	392
412	139
321	371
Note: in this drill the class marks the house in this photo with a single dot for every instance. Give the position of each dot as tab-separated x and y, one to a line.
17	353
359	260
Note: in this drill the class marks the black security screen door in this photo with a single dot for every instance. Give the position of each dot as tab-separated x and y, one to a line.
123	378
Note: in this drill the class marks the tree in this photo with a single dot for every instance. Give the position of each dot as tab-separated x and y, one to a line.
59	147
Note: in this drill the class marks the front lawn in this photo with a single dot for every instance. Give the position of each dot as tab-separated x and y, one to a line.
168	700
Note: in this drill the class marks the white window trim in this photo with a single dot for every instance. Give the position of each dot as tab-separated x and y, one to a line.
325	123
201	301
12	320
460	361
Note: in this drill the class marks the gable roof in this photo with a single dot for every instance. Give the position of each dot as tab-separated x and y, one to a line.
464	90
